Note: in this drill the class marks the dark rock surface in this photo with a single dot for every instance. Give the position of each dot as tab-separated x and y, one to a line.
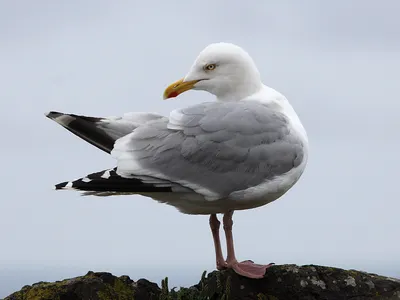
283	282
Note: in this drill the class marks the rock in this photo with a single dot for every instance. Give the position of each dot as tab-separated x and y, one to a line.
284	282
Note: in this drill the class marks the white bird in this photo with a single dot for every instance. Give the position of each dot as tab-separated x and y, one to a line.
242	151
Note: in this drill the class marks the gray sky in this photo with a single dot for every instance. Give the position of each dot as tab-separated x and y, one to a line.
337	62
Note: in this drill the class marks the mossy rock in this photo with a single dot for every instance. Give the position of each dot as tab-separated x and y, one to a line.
284	282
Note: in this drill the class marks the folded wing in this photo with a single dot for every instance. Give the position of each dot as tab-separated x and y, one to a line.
212	148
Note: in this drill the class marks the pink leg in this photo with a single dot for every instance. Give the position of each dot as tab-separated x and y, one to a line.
245	268
214	225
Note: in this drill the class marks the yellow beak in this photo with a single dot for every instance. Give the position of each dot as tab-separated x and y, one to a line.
178	87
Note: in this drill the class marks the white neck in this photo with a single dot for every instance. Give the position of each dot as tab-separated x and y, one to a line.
239	92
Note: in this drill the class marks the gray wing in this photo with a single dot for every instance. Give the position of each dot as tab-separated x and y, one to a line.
212	148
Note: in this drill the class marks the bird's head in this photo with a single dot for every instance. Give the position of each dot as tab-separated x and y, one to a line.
222	69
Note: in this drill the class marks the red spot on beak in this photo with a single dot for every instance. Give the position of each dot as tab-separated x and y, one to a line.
173	95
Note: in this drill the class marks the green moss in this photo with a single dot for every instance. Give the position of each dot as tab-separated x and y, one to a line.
44	292
353	273
103	295
123	290
119	291
219	285
184	294
330	269
228	287
261	297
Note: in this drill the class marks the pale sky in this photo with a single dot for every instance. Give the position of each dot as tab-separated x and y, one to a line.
337	62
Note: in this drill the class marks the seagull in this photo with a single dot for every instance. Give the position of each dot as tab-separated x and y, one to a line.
242	151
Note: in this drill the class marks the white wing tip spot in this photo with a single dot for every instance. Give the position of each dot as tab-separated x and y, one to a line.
68	185
106	174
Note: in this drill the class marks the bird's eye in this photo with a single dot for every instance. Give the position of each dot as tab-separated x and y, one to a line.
210	67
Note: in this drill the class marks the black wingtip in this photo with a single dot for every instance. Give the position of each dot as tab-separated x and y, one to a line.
86	128
109	181
61	185
53	114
